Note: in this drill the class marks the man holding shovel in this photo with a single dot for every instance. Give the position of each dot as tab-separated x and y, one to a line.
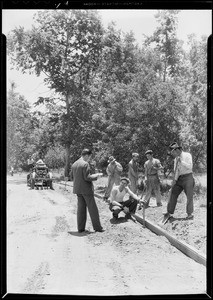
183	180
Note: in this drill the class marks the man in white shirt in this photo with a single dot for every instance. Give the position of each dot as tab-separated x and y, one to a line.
183	180
117	203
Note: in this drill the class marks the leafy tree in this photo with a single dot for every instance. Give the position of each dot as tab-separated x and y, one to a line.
19	129
194	121
65	45
55	157
164	41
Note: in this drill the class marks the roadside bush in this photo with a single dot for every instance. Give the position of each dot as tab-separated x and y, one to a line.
199	188
55	157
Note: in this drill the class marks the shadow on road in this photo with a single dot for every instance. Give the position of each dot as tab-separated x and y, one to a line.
80	234
118	221
172	219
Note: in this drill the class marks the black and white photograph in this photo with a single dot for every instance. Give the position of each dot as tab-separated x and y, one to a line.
106	151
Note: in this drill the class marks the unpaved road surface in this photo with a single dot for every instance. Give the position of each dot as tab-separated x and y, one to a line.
46	254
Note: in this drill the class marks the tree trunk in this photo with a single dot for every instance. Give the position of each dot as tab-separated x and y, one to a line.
67	165
164	72
68	144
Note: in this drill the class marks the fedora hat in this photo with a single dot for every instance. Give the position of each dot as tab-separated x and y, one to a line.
174	146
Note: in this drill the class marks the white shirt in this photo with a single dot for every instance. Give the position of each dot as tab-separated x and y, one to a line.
184	166
118	196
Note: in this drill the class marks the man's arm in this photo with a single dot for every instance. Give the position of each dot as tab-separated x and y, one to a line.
157	165
109	170
87	173
145	171
131	193
119	167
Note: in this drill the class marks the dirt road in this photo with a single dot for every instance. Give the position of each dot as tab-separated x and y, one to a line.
46	254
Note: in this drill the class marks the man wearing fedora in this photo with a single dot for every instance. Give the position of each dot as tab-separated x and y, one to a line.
183	180
114	170
152	167
133	172
117	202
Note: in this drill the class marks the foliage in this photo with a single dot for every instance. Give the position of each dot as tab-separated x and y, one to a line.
65	46
113	95
55	157
20	139
194	124
165	42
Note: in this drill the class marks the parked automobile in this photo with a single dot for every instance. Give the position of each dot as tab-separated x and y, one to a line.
40	176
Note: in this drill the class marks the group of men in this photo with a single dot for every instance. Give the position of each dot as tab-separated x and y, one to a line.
119	187
152	171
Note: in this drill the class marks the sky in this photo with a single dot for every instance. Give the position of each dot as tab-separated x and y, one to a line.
139	21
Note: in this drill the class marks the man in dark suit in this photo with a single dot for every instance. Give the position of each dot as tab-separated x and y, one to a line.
83	187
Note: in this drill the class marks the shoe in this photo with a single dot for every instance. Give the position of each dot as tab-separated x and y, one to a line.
52	189
190	217
128	216
167	214
82	230
115	216
159	204
100	230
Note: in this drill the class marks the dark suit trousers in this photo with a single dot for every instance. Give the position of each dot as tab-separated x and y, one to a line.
84	202
185	182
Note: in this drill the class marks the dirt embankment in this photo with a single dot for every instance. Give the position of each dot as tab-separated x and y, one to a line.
193	232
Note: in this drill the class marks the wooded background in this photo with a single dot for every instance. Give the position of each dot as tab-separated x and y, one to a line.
112	95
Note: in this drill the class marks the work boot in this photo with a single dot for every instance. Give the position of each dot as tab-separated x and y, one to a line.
128	216
100	230
190	217
115	216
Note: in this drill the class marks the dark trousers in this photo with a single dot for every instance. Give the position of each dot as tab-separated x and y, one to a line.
185	182
131	204
84	202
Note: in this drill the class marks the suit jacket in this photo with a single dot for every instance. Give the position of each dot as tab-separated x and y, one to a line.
81	175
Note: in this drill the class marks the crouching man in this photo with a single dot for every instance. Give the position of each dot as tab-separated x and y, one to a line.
117	203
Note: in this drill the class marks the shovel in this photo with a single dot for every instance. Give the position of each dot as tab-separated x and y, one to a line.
165	218
143	206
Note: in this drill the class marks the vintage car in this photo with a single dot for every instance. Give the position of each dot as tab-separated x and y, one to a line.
40	177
